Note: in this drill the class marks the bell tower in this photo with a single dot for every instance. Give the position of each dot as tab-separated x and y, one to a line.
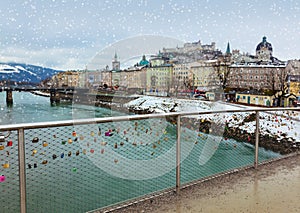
116	63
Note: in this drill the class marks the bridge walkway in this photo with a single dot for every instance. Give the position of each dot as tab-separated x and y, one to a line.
273	187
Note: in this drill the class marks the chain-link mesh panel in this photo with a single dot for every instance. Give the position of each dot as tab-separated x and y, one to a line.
9	173
222	142
86	167
279	131
81	168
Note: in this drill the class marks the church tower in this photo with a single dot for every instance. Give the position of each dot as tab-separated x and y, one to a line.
116	63
264	51
228	52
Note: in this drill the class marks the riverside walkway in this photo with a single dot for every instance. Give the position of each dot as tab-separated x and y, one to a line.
273	187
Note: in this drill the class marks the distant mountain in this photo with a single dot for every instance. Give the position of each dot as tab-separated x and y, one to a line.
25	73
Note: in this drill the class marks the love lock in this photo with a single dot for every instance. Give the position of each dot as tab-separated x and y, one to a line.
2	138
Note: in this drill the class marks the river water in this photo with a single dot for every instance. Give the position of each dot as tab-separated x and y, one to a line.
29	108
81	168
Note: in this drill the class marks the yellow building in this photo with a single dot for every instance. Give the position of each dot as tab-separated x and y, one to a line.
115	78
180	80
65	79
158	75
159	78
133	79
254	98
106	78
203	75
294	85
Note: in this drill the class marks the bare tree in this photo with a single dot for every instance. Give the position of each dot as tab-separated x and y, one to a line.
222	71
277	83
176	84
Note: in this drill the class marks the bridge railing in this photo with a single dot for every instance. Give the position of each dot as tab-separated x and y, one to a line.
89	164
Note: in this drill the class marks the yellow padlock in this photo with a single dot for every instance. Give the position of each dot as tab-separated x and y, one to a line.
34	152
6	165
70	141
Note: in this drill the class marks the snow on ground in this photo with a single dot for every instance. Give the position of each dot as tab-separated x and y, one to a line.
37	92
281	124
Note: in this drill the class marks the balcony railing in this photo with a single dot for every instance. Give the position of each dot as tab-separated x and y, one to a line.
89	164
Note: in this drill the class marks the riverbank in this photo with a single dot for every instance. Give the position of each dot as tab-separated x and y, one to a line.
273	187
278	130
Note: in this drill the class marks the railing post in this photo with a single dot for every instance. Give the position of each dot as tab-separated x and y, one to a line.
9	97
22	174
256	139
178	130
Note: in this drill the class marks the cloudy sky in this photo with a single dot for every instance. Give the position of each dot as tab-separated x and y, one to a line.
67	34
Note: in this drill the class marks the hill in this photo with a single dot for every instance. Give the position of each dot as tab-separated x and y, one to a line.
25	73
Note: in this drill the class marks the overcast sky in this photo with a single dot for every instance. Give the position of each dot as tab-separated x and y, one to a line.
67	34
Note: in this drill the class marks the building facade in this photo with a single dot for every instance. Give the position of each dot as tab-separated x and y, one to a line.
65	79
255	76
180	77
260	72
133	79
159	78
254	98
204	75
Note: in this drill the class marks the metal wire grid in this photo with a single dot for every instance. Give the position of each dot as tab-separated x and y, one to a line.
220	143
85	167
9	173
81	168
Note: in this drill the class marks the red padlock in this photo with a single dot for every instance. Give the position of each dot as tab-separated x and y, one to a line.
9	143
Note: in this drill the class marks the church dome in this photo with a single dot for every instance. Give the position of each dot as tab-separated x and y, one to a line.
264	45
144	62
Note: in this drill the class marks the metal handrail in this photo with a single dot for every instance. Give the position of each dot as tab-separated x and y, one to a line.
178	115
36	125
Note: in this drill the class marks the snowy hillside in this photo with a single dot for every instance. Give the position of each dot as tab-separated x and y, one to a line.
279	124
15	72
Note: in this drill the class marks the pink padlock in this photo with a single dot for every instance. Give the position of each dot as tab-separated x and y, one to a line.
2	178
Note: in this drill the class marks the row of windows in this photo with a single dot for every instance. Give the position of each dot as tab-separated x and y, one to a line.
180	73
163	78
262	71
259	98
181	68
160	73
182	77
160	69
245	83
249	77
